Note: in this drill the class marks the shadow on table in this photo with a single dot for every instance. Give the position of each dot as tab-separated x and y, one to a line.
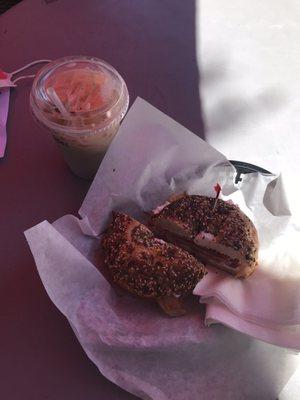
7	4
153	45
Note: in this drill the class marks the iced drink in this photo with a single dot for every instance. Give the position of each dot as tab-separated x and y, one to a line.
82	101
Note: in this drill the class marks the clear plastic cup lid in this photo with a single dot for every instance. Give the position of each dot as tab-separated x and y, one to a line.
78	94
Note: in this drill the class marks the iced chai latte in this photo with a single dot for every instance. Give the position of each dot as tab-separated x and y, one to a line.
82	101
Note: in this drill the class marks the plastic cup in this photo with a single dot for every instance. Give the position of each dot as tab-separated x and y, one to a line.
81	101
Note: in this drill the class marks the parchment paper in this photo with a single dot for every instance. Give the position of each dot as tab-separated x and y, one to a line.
132	343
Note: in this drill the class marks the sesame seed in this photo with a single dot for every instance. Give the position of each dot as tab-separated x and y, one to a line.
148	266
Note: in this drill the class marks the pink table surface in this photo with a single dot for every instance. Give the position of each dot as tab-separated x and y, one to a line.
152	44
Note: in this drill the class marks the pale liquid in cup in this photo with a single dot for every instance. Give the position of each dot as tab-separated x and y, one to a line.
85	156
82	102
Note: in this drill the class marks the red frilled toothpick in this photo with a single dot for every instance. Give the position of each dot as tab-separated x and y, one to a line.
218	189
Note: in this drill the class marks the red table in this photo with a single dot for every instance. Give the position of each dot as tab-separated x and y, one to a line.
152	44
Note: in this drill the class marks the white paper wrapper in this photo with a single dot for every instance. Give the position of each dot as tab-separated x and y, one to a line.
267	305
132	342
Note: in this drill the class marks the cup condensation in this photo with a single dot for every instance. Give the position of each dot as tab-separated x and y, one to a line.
82	101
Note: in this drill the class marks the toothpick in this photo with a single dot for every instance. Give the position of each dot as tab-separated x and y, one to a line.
218	189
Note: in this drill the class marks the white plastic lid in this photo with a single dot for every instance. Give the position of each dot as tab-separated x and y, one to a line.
78	94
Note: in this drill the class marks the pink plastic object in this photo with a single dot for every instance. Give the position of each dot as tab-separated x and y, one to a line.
4	104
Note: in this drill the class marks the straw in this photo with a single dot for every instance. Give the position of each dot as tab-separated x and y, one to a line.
56	100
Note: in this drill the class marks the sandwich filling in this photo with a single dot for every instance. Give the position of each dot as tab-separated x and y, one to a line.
220	236
207	251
